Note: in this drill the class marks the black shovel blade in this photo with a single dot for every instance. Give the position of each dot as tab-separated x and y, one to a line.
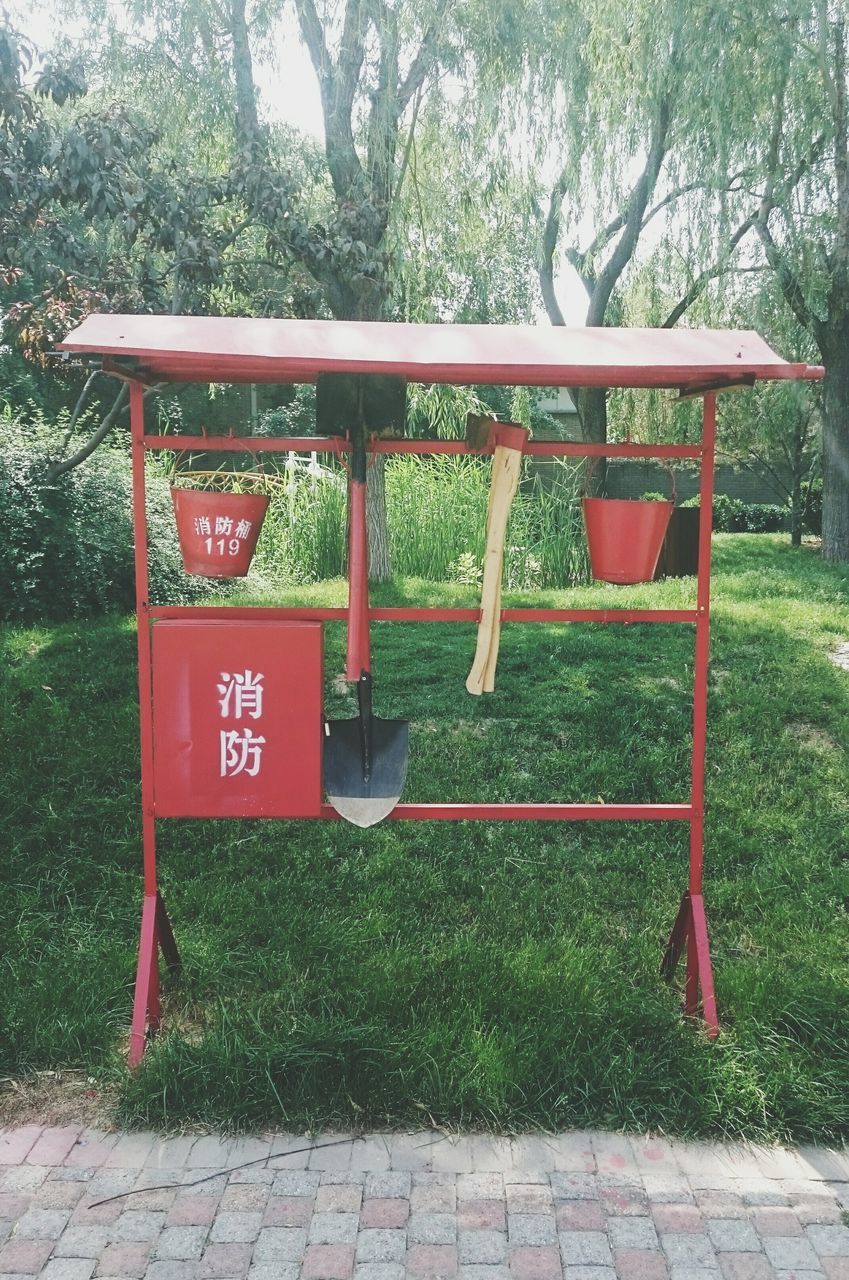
365	796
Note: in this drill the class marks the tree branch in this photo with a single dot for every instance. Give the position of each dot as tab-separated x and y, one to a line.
549	245
701	281
57	469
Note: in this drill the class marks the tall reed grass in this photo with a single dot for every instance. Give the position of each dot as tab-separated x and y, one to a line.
436	508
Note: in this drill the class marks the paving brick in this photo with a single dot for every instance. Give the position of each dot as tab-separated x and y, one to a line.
289	1151
13	1205
763	1191
579	1215
371	1155
590	1273
379	1271
130	1151
330	1154
82	1242
91	1148
684	1271
799	1275
224	1262
209	1152
339	1198
432	1228
678	1218
745	1266
169	1153
24	1256
574	1186
384	1214
481	1247
333	1228
181	1244
732	1235
15	1144
585	1248
42	1224
275	1271
433	1198
168	1269
343	1178
613	1152
836	1268
810	1209
480	1186
450	1156
235	1228
376	1245
491	1155
409	1151
69	1269
533	1151
436	1261
625	1201
632	1233
90	1212
57	1195
296	1183
529	1198
793	1253
280	1244
572	1152
721	1204
686	1249
127	1259
829	1241
246	1197
664	1188
52	1145
640	1264
486	1271
775	1220
388	1186
529	1262
481	1215
288	1211
192	1211
138	1224
328	1262
531	1229
25	1177
112	1182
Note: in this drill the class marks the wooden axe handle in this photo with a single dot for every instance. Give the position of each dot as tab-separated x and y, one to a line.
506	466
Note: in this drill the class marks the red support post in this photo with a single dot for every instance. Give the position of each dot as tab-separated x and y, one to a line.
691	923
156	933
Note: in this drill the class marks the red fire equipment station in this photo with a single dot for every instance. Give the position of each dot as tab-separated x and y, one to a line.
231	698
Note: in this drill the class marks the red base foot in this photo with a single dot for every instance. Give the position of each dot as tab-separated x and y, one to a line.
690	931
156	936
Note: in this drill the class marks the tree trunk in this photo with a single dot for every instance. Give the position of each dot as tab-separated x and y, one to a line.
377	524
835	444
592	411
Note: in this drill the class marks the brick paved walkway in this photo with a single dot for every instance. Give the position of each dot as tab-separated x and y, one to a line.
579	1206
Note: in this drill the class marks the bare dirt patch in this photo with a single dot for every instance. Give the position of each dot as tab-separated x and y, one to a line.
56	1098
840	656
812	735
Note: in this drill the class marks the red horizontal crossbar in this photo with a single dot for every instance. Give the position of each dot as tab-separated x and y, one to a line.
296	613
335	444
536	812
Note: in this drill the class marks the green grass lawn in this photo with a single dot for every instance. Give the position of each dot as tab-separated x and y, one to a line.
494	975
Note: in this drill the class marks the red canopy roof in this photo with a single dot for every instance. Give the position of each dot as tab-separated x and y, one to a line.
224	349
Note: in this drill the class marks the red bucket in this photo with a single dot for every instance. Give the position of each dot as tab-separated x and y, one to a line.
218	531
625	536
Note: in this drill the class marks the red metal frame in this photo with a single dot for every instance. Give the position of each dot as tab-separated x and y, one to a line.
690	929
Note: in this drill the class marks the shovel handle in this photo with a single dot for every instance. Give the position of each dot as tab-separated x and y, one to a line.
358	656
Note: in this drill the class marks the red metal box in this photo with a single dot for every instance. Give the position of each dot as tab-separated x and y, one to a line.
237	719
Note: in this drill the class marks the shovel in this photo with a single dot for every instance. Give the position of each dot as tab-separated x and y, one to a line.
365	760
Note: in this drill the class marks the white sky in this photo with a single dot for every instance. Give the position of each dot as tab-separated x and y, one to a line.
289	94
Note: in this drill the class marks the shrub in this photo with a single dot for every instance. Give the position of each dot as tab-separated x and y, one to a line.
730	515
67	547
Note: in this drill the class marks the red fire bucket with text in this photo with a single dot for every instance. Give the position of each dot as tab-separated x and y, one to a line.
625	536
218	531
